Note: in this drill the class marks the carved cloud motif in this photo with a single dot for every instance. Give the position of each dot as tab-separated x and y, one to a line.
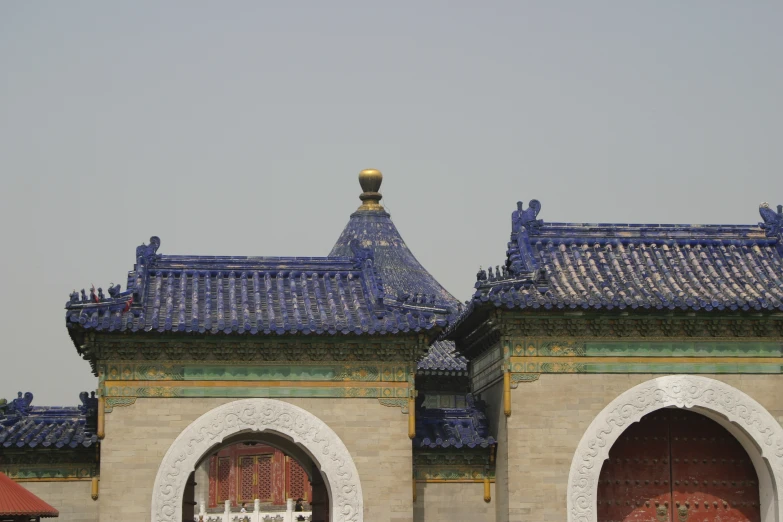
681	391
300	425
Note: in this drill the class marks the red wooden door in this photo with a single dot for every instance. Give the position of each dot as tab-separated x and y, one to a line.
677	466
634	482
713	478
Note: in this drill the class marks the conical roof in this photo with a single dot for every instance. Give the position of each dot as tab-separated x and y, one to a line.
401	272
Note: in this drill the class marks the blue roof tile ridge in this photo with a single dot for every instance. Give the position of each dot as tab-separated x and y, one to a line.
453	427
619	266
255	295
443	356
23	425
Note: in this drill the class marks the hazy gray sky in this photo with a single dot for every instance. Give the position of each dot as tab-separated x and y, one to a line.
239	128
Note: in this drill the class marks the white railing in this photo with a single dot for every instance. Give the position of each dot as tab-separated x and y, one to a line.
289	515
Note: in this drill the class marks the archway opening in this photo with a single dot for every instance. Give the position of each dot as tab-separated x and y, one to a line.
293	430
256	472
676	465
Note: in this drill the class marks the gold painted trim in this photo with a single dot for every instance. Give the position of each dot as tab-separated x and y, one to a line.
254	384
455	481
53	479
101	432
94	489
411	418
487	490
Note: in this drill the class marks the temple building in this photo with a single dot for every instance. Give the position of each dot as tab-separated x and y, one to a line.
599	372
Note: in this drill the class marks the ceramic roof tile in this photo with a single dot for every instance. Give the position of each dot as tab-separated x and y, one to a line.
15	500
252	295
443	356
405	280
25	426
453	427
627	266
403	276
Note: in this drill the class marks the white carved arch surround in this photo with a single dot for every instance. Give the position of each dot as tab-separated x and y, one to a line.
258	415
753	426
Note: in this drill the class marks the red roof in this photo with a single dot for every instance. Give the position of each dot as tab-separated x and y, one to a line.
16	500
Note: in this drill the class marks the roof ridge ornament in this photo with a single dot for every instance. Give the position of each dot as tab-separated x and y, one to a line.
526	218
148	251
370	181
773	221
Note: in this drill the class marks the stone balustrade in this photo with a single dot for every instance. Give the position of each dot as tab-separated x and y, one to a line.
257	515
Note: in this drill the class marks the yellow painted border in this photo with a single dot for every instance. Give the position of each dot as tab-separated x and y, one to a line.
54	479
454	481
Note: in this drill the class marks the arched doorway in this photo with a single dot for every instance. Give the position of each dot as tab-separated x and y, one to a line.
255	467
674	466
272	419
749	422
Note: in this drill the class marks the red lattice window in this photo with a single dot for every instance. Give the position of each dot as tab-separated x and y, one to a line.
298	483
223	472
265	479
247	479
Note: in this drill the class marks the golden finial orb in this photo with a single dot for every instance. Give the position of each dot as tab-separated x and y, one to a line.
370	180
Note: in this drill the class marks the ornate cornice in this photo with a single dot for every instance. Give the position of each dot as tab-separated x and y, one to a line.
99	348
645	327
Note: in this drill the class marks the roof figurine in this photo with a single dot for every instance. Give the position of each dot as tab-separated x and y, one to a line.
618	266
773	222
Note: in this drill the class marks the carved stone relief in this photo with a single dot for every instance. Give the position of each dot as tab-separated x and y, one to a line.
733	408
258	415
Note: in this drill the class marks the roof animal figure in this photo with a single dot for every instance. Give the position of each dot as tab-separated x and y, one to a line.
147	251
21	405
526	218
773	221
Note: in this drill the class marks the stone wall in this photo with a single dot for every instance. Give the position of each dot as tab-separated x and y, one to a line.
71	498
550	416
444	502
138	436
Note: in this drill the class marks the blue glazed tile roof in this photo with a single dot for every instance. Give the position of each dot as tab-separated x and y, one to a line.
403	276
627	266
453	427
25	426
252	295
443	356
404	279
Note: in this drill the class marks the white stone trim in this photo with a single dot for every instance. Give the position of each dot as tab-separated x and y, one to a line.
258	415
746	419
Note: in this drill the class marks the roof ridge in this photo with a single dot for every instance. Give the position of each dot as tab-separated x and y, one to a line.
344	294
689	267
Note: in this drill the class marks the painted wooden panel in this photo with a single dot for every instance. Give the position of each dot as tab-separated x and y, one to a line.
634	482
677	466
